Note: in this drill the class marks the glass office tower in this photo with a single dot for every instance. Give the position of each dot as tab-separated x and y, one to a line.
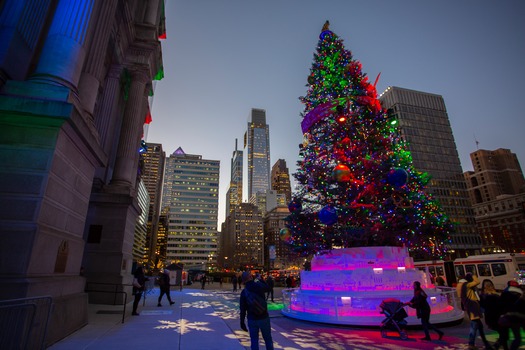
423	123
257	142
191	191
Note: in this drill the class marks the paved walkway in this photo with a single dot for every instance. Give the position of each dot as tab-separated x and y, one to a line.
209	319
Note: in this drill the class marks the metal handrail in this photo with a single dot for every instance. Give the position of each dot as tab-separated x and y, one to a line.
115	292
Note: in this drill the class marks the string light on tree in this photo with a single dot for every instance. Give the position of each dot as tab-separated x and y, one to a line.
356	181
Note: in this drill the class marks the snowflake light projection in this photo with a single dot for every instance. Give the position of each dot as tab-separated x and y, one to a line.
184	326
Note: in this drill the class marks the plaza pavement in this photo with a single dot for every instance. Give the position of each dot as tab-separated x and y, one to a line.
209	319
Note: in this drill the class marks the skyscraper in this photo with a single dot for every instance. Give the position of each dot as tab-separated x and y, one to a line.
234	195
152	175
191	189
248	233
281	179
423	123
497	191
257	142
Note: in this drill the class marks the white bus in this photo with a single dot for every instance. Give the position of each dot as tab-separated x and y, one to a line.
499	268
437	268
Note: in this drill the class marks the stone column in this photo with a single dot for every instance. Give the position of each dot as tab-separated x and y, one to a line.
93	73
152	11
106	119
126	162
63	53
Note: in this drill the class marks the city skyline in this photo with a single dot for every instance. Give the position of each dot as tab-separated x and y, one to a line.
221	61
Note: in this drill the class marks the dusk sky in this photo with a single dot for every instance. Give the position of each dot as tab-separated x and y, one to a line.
223	58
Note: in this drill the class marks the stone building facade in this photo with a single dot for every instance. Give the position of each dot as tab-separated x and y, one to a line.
75	76
497	192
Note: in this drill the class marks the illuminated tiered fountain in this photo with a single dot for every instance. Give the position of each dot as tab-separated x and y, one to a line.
346	286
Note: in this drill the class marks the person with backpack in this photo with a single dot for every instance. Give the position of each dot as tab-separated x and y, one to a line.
466	290
164	284
253	306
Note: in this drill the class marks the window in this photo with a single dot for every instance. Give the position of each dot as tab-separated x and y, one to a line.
460	271
439	270
432	271
484	269
471	269
499	269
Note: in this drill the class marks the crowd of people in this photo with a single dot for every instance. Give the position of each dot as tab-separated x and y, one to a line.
502	312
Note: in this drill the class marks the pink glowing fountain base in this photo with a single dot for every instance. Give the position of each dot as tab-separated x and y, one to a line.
346	286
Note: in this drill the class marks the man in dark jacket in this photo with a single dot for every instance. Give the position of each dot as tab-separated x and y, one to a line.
253	306
164	284
509	305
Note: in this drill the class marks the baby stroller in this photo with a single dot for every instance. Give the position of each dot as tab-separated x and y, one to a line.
395	317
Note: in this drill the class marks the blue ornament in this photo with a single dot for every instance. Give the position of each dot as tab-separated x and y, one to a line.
328	215
324	33
295	206
397	177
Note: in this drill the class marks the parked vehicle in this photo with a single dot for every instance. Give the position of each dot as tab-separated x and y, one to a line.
499	268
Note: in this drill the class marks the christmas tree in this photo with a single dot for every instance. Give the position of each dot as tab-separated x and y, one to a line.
356	184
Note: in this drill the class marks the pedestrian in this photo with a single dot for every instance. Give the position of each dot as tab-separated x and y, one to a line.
234	282
510	304
270	282
164	284
288	281
253	306
220	282
203	281
139	282
420	303
466	290
440	281
239	281
490	305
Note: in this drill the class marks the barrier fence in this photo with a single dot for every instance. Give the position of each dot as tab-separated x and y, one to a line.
23	322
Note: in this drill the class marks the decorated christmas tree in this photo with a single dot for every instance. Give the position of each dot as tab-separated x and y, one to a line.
356	184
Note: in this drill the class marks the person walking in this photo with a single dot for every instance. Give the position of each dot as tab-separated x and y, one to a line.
489	300
239	282
271	283
466	290
234	282
288	281
203	281
139	282
420	303
510	303
253	306
164	284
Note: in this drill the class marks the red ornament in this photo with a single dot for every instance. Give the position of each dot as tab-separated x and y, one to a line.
346	142
342	173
